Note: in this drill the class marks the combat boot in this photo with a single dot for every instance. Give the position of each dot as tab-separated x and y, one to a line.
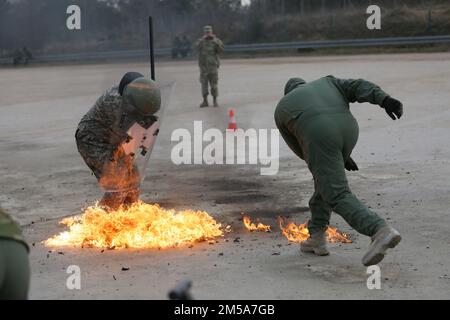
205	103
216	104
316	243
385	238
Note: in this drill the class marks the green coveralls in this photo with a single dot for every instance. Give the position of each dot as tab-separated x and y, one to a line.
315	121
14	265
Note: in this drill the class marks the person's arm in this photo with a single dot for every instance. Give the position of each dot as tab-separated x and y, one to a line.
219	45
361	91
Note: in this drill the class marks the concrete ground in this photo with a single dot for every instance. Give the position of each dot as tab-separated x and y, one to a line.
404	176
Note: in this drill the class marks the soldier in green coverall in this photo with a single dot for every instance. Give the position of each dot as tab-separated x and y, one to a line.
14	265
315	121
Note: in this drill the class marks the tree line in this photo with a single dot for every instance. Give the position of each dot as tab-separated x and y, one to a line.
122	24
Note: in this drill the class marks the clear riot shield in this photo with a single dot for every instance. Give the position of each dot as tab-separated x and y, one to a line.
126	171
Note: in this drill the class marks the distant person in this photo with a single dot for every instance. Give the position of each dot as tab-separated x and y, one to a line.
102	132
209	47
14	263
27	56
315	121
185	48
176	47
17	57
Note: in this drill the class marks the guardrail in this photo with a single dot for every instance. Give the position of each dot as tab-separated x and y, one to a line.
142	54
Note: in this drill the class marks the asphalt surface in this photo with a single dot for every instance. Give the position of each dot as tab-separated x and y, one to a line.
404	170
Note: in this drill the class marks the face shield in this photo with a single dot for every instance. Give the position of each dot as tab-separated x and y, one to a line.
126	170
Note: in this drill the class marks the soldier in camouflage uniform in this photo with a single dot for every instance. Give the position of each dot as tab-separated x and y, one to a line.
209	47
14	264
103	130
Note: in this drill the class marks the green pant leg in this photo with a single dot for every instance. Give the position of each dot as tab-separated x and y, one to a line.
14	270
325	140
320	212
213	78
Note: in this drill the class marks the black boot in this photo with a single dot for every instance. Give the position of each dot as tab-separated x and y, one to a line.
205	103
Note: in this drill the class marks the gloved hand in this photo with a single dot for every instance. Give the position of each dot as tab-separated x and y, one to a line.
350	165
393	107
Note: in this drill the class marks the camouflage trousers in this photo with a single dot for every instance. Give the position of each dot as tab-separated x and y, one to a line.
98	155
209	78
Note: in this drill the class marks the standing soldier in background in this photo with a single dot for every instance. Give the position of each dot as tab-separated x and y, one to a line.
14	265
17	57
209	47
27	55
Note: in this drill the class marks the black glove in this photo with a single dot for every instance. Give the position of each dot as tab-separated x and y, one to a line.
351	165
393	107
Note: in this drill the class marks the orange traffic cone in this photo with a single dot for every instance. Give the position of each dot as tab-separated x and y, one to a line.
232	124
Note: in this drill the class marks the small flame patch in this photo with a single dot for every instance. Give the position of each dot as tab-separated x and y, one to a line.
300	233
250	226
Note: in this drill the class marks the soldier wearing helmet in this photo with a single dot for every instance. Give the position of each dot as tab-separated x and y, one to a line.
102	132
209	47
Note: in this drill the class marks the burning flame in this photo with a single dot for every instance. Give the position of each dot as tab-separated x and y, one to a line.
138	226
253	227
120	172
300	233
293	232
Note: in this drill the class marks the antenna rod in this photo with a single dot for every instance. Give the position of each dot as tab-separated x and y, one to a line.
152	48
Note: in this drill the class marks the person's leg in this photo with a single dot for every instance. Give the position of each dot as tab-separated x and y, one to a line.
317	226
205	90
132	197
213	78
326	163
94	153
320	213
112	200
14	270
121	179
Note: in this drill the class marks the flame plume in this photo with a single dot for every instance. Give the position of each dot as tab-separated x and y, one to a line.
139	226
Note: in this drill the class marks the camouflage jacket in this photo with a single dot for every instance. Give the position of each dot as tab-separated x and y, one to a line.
105	121
208	53
9	229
